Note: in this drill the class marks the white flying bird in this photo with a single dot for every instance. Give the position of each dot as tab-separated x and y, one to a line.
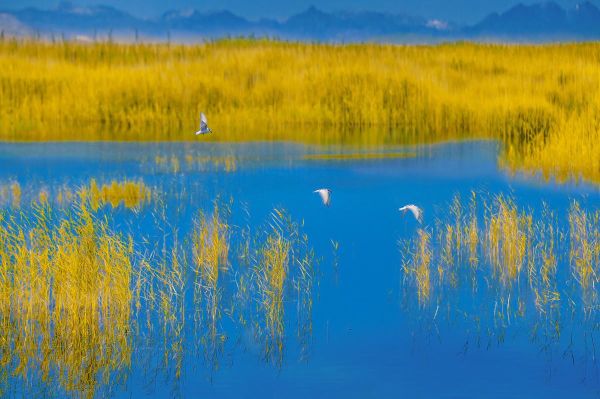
204	129
416	211
325	194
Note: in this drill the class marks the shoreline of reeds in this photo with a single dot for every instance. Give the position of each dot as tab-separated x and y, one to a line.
540	101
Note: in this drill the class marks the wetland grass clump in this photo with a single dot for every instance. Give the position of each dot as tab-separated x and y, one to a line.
518	266
15	190
132	194
65	295
211	240
417	265
544	266
82	294
283	263
584	254
507	236
272	273
571	153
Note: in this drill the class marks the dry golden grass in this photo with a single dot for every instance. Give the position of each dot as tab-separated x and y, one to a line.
514	251
65	301
79	301
584	229
507	236
532	269
542	101
133	194
211	241
282	261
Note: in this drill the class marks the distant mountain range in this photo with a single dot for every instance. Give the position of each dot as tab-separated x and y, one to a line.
537	22
542	20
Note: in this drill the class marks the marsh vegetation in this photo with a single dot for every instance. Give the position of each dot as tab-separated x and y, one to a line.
542	102
83	292
501	268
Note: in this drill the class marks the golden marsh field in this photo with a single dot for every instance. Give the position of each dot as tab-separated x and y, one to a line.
541	101
80	296
138	259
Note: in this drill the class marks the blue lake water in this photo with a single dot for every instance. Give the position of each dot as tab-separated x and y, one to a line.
366	338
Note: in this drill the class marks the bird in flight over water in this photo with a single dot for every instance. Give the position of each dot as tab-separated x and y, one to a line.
204	129
416	211
325	194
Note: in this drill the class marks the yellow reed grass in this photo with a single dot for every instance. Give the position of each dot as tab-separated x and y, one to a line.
64	301
418	263
78	302
510	249
282	261
584	254
132	194
543	101
508	234
275	264
15	190
211	257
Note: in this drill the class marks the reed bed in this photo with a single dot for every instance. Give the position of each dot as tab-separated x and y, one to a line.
211	240
541	101
518	266
283	270
83	292
64	301
132	194
419	265
584	254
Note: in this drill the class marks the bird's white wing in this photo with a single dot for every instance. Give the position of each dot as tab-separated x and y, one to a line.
203	122
324	194
415	210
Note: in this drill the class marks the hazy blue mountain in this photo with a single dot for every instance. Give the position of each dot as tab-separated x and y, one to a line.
311	24
585	19
11	26
539	21
314	23
196	21
70	18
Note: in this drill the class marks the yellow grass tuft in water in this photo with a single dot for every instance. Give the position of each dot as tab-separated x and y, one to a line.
211	239
419	265
132	194
15	190
516	253
78	301
507	236
281	262
584	254
64	301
